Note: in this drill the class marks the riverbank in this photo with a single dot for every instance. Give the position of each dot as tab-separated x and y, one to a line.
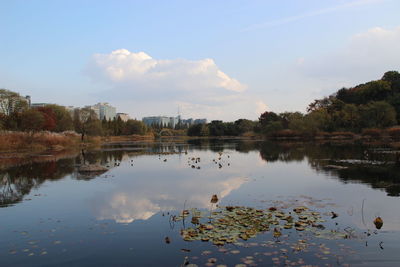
20	143
24	142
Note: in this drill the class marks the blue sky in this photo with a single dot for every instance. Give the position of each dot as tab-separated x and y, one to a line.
273	55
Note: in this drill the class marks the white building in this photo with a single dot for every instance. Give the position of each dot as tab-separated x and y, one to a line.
162	121
9	105
123	116
104	111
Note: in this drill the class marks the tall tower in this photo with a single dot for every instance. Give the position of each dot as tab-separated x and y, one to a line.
179	114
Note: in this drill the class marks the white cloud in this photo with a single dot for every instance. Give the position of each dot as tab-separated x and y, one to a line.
142	72
261	107
142	86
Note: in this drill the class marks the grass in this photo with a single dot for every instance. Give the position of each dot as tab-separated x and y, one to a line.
11	141
23	141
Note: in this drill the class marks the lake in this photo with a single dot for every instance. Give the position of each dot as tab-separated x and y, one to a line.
277	204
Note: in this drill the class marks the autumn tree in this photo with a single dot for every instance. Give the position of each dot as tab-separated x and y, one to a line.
49	118
63	118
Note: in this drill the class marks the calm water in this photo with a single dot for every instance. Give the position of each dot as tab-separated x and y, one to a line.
53	215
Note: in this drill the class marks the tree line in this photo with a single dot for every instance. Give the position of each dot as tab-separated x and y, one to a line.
16	115
372	105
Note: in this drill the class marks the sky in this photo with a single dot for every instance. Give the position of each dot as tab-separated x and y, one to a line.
204	59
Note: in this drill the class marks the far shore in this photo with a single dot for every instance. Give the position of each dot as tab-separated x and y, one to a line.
21	144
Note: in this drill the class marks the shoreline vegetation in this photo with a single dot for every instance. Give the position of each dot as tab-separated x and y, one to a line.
367	113
19	144
25	142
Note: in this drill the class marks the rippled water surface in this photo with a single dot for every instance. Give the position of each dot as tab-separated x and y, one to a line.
51	214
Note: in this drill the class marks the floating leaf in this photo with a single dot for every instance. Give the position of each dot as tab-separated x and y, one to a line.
195	220
277	232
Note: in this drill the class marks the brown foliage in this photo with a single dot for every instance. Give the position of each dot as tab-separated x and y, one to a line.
372	132
14	141
49	118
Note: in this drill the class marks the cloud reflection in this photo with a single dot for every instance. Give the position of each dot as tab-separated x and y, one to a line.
131	201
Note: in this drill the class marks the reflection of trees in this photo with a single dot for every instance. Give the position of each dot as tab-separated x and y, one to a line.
272	151
19	178
382	177
215	145
13	191
18	181
385	176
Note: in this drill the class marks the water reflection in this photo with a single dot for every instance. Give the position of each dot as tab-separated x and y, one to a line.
18	181
17	178
355	163
131	202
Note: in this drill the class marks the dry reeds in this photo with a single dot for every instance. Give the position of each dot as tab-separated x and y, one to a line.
17	141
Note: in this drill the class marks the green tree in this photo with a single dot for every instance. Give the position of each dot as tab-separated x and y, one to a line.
395	102
32	120
198	130
378	114
394	78
93	127
244	125
135	127
217	128
288	117
268	117
272	127
319	120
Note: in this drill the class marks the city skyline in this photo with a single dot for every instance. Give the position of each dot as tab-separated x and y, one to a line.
97	109
215	57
